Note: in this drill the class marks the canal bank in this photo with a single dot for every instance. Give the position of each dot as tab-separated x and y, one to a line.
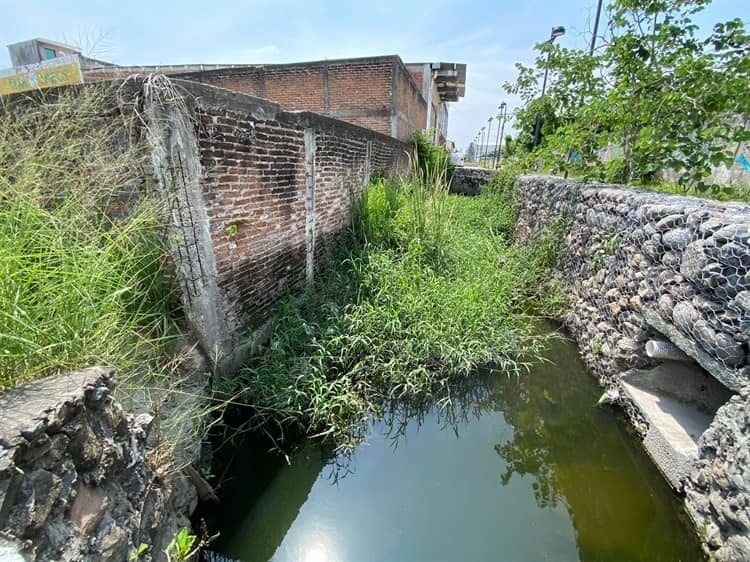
648	272
516	468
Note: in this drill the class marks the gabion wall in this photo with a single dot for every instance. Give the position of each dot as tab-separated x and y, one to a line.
640	264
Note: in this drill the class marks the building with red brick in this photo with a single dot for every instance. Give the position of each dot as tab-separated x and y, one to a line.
380	93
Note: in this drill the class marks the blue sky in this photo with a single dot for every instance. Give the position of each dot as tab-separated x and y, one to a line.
489	36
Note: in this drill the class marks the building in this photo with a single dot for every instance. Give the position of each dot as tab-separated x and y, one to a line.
440	83
41	63
38	50
379	93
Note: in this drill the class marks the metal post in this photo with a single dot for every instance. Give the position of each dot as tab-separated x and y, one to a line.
596	27
501	107
489	135
499	140
538	124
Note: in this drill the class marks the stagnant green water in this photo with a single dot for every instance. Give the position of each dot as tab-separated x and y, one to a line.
518	469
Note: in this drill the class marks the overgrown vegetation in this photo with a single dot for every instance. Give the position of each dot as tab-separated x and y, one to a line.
432	288
653	96
81	278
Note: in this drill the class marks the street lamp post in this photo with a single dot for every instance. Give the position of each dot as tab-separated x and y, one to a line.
489	136
481	142
499	139
556	32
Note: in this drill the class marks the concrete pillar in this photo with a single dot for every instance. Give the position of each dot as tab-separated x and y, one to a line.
175	158
368	164
310	147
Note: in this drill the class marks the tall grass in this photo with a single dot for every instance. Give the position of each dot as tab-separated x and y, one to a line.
81	252
431	288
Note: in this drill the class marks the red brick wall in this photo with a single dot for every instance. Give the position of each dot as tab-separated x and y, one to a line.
254	190
247	80
410	106
252	177
296	88
364	85
358	91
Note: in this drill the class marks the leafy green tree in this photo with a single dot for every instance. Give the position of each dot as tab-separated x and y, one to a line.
653	96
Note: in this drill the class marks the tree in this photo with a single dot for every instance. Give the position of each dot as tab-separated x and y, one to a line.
657	94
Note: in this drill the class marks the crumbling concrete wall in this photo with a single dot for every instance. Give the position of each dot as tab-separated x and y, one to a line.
76	478
639	264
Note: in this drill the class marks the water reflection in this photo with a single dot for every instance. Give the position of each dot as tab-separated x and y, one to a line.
488	468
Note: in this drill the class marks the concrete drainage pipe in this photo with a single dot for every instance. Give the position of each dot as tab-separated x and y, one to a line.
661	349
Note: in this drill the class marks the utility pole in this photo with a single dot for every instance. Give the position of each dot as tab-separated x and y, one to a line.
596	27
481	142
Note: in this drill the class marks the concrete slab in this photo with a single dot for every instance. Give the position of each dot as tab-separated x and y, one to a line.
674	429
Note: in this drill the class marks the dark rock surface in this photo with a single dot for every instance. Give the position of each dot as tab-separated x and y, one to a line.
77	481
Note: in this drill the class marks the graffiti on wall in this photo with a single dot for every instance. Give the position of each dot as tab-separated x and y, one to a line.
59	72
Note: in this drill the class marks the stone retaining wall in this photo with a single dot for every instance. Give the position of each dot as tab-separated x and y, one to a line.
77	477
640	264
468	180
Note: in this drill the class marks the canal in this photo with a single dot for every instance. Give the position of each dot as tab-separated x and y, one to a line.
497	468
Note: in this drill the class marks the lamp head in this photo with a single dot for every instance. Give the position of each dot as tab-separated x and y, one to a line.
557	31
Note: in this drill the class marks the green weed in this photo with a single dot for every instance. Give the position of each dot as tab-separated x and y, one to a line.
81	254
431	289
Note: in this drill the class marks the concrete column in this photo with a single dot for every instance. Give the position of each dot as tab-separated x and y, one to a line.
326	96
368	164
310	147
175	158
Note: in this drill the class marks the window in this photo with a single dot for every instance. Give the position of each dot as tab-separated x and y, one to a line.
49	53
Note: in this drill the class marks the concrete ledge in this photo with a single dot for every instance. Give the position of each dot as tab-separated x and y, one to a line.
678	401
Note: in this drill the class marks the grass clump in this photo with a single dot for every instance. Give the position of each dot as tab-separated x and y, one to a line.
81	251
431	288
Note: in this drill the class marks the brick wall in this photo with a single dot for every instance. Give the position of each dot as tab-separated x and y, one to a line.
272	187
410	107
358	91
378	93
